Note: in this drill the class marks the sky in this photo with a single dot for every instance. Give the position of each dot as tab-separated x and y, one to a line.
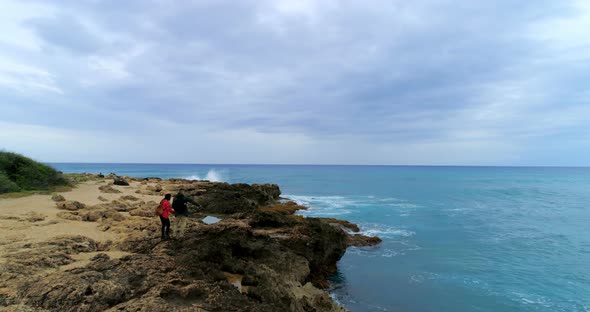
424	82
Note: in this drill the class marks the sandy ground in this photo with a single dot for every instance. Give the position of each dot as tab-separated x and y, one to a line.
34	218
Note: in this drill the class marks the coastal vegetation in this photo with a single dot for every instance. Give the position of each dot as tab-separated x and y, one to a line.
20	174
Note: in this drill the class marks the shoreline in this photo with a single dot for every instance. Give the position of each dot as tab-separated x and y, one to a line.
260	255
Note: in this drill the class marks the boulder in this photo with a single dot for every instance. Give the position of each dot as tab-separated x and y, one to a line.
360	240
70	205
58	198
120	181
119	205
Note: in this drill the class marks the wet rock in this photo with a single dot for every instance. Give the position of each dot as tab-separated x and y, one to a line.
360	240
287	208
342	223
58	198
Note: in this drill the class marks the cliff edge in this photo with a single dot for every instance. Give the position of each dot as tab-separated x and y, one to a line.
260	256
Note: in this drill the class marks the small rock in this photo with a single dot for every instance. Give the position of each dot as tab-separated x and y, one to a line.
155	188
113	215
70	205
120	181
119	206
69	215
108	189
141	213
129	197
92	216
58	198
360	240
35	217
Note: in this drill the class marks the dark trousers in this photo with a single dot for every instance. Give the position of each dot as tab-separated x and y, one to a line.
165	227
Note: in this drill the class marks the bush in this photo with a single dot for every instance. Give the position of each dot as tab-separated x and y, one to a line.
20	173
7	186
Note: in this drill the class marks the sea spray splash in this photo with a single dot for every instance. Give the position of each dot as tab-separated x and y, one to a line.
212	175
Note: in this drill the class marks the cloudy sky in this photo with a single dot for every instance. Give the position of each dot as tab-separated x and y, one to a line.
502	82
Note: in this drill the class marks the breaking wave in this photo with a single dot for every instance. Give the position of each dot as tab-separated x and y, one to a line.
212	175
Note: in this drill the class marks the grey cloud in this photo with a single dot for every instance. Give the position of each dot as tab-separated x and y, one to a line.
381	72
67	32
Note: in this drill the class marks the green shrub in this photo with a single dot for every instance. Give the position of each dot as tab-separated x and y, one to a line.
20	173
7	186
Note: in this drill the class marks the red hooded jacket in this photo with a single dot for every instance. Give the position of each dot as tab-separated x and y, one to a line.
166	208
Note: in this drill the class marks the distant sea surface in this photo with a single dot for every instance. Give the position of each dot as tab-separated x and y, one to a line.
454	238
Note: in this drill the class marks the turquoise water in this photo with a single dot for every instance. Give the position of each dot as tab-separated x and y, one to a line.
454	238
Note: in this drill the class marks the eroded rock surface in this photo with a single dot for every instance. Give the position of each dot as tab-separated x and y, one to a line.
283	260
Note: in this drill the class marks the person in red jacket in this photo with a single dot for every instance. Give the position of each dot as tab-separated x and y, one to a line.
164	217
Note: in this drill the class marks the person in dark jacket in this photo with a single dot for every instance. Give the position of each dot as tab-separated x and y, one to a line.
181	213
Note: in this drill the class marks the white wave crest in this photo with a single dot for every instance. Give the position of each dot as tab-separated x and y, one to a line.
319	206
212	175
383	231
372	252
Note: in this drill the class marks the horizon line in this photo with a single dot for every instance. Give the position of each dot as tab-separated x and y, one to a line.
334	165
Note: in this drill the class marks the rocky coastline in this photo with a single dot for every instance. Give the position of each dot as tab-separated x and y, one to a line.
261	256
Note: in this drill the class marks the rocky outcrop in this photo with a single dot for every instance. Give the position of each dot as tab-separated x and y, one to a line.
232	198
189	274
35	258
276	260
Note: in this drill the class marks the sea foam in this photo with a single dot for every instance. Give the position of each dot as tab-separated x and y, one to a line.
212	175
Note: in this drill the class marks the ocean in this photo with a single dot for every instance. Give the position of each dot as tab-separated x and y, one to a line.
454	238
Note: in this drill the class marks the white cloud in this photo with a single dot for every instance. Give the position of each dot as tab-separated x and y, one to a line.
26	78
298	81
12	16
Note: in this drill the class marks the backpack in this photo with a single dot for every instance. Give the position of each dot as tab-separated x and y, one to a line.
159	210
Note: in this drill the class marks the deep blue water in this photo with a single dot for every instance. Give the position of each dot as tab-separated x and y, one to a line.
454	238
